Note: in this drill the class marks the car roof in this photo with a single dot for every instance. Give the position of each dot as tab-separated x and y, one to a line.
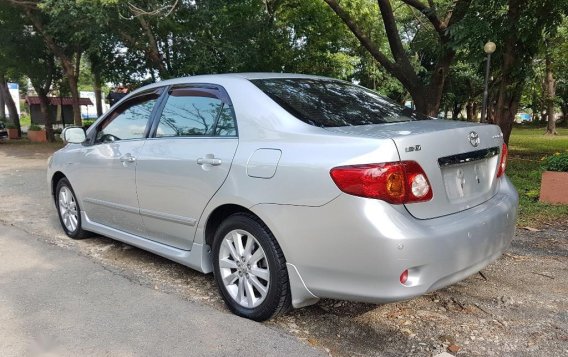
268	75
220	78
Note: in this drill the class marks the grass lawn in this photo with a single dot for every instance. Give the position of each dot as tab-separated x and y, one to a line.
527	148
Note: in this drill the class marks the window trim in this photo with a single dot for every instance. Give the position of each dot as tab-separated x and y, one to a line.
216	89
160	91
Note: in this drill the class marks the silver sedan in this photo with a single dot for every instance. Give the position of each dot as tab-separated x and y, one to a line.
289	188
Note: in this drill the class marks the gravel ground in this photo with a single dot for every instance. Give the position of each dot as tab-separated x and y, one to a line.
516	306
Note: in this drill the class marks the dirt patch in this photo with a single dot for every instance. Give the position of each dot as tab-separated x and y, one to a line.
24	149
518	306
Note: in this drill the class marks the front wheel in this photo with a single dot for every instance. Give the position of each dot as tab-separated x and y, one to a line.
68	210
250	268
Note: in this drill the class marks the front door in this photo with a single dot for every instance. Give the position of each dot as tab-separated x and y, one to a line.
185	163
107	175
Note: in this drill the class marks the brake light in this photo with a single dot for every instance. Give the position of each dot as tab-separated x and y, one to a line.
503	161
393	182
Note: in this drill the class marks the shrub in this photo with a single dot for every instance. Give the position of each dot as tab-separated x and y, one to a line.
25	119
34	127
11	126
557	162
87	123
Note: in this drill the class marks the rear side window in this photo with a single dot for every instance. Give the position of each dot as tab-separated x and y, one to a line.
195	112
332	103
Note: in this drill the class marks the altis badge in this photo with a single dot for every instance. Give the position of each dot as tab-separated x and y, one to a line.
413	148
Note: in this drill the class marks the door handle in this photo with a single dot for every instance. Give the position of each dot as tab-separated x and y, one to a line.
209	161
127	158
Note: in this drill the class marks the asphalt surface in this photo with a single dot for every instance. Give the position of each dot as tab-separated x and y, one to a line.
55	302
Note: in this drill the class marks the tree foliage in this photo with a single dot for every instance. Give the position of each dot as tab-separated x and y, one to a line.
429	51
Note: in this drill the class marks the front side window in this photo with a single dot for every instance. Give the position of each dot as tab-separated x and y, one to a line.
129	121
195	112
332	103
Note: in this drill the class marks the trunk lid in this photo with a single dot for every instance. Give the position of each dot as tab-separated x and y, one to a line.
459	158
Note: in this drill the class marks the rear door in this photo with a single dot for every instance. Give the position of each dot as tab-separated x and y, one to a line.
185	162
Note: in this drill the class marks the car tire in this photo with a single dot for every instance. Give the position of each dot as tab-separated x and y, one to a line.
68	210
251	275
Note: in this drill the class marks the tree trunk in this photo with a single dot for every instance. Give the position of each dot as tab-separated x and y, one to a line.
2	106
469	111
73	87
550	93
506	109
95	62
98	92
456	111
427	99
510	88
44	109
476	111
564	109
12	109
491	113
433	91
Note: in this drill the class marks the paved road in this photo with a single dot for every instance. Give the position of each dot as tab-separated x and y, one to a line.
55	302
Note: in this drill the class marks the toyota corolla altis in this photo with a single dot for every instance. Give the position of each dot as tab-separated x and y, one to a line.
289	188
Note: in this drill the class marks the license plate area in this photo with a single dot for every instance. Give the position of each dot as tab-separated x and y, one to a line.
470	175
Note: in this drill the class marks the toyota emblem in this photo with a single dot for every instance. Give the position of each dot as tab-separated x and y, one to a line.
474	139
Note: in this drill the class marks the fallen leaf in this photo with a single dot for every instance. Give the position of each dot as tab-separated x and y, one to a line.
531	229
454	348
406	331
313	341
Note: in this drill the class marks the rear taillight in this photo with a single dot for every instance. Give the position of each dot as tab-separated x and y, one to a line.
393	182
503	162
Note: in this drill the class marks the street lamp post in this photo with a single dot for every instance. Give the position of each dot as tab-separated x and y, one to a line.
489	48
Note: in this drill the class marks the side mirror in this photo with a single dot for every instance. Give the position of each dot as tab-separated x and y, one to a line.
74	135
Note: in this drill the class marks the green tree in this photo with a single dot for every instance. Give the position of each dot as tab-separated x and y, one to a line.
10	22
68	28
519	28
443	18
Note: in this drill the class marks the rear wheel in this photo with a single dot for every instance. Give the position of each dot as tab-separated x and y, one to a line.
250	268
68	210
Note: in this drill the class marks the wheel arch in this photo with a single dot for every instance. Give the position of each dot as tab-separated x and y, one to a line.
218	215
224	210
55	178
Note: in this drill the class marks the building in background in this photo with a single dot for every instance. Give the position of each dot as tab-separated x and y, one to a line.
61	109
90	111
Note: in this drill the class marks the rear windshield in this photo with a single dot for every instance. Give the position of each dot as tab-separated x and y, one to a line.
331	103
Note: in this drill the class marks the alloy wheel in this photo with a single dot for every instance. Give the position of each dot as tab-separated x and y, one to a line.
244	268
68	209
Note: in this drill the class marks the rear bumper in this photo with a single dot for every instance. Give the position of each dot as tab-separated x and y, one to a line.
356	249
